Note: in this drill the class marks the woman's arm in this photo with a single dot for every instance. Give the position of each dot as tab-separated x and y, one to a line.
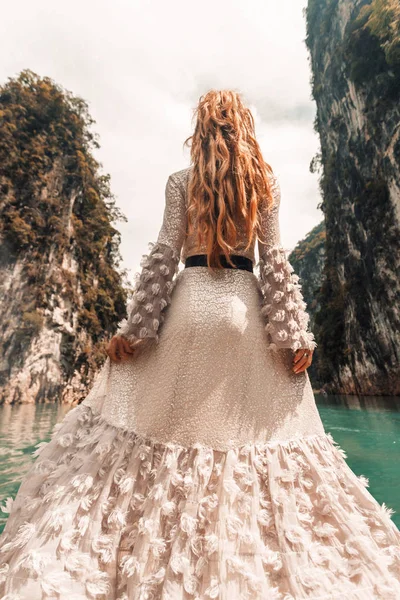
154	284
283	303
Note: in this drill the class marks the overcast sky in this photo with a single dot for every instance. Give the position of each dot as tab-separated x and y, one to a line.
142	66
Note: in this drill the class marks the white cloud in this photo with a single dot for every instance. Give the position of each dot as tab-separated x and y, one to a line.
142	67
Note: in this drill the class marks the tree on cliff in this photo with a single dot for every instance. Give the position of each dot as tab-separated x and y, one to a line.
382	19
61	285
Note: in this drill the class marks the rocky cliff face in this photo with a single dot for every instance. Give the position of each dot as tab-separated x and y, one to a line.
308	261
61	293
355	57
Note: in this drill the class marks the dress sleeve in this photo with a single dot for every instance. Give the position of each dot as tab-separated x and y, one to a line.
154	284
282	300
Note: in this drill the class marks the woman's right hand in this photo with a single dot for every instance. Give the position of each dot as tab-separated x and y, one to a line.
119	348
302	360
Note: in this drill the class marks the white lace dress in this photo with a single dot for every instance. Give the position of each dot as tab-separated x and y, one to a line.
200	468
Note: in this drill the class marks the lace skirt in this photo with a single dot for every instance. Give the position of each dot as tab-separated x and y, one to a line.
199	469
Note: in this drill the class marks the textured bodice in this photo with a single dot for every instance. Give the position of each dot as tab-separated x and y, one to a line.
190	244
284	306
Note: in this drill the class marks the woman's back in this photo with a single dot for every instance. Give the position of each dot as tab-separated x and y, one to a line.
190	245
175	221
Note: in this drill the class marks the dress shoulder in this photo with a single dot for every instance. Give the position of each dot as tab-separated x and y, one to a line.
181	177
182	173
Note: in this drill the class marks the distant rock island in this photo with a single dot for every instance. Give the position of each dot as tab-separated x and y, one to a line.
61	290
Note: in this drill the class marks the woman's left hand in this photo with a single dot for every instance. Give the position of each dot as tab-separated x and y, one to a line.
302	360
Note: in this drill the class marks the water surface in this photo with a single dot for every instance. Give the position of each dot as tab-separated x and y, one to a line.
366	428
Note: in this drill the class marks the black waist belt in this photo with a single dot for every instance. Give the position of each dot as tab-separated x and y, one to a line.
241	262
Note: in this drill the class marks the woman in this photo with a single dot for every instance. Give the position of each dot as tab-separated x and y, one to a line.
197	467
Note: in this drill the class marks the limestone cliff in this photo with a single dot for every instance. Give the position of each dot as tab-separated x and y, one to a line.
61	291
308	261
355	58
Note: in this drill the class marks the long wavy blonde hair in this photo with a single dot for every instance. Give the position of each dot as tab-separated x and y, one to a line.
230	179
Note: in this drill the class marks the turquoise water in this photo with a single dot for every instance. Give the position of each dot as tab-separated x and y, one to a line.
367	429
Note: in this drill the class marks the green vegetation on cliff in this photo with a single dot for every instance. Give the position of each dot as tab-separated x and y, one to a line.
382	19
57	214
370	46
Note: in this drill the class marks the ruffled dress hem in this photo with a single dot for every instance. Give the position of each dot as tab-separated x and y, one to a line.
105	513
